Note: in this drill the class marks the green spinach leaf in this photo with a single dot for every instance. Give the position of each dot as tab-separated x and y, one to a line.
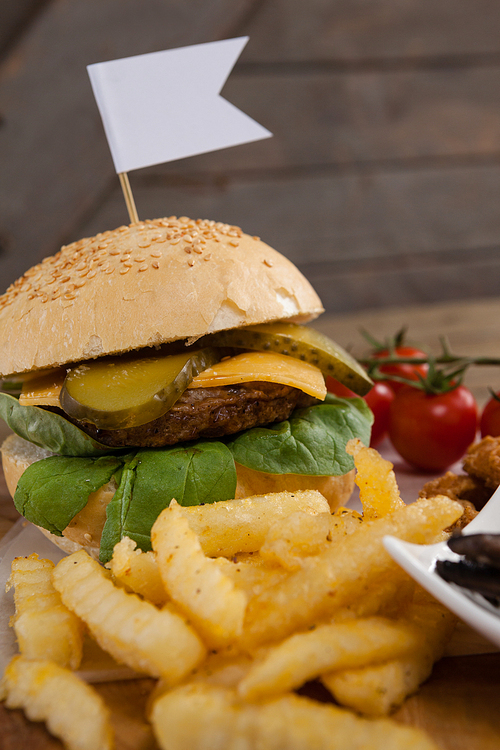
311	442
196	474
48	430
52	491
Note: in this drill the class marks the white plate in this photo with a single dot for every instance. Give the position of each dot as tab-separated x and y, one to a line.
419	561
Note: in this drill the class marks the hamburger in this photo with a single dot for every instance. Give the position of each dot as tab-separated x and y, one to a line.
167	359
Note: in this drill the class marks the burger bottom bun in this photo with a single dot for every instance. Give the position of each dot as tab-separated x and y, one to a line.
85	529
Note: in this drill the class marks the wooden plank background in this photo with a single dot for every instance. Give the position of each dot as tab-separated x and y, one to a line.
382	180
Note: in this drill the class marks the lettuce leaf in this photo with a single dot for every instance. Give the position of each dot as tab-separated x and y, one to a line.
312	441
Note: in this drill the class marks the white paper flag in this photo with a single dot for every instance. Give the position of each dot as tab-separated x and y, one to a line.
166	105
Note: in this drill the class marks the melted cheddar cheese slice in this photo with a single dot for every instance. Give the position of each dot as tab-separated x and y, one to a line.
43	390
243	368
267	366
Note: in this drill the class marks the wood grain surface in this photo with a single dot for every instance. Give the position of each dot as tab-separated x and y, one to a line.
457	706
382	180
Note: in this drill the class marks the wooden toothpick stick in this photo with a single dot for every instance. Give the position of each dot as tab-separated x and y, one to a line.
129	198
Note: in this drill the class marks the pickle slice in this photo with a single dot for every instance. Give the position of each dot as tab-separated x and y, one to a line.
301	342
128	391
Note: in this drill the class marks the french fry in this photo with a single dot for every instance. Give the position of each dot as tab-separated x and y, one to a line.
196	583
44	627
207	717
137	571
378	489
250	576
133	631
341	575
378	690
233	526
223	668
279	591
290	540
72	710
305	656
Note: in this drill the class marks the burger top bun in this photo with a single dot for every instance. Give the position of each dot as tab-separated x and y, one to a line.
143	285
86	527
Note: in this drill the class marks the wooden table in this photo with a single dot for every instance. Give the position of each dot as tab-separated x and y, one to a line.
458	704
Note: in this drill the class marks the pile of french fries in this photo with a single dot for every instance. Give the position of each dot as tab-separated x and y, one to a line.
239	605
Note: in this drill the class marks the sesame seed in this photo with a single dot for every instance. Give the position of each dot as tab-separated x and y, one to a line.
155	264
268	263
143	268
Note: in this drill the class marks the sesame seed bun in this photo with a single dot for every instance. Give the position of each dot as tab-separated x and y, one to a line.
85	529
143	285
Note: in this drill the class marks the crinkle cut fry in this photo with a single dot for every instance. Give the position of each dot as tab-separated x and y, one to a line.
331	580
71	709
137	571
195	582
207	717
379	689
152	641
44	627
332	646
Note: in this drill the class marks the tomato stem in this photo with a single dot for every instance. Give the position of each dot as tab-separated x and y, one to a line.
392	359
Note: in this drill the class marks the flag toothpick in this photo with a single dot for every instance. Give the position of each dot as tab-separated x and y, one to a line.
129	198
163	106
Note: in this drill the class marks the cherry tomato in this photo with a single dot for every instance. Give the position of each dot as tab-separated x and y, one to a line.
408	371
431	431
379	399
490	418
337	388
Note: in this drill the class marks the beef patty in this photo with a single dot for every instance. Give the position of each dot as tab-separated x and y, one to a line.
209	413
